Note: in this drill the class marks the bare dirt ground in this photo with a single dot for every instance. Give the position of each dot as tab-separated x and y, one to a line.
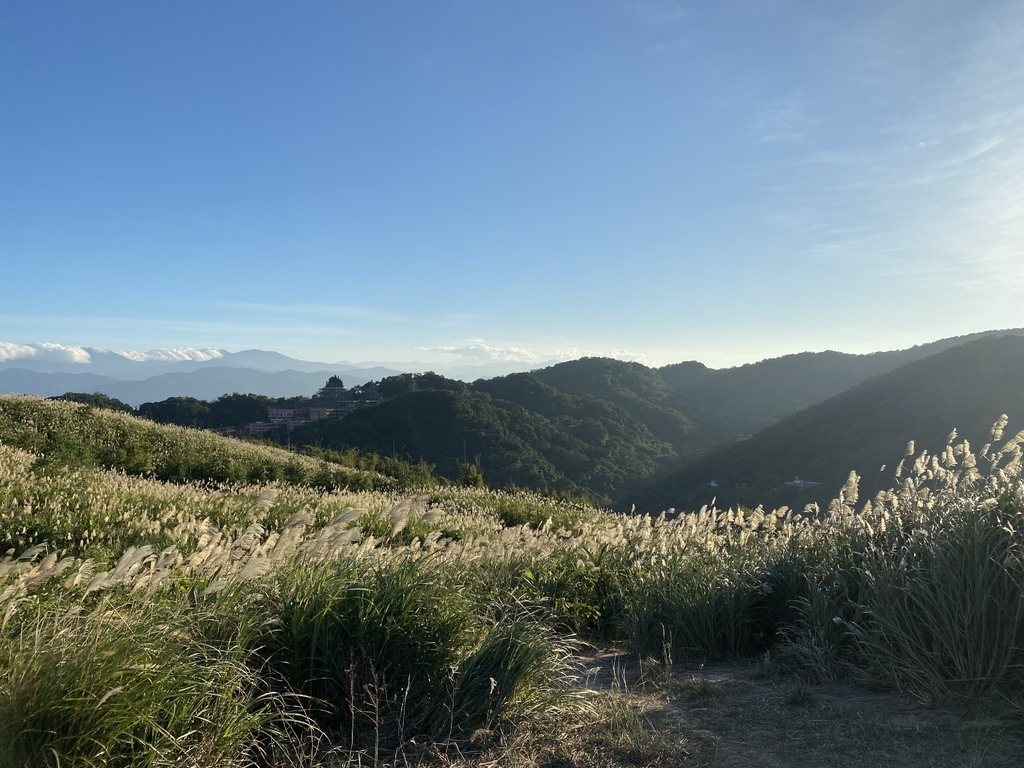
740	716
735	715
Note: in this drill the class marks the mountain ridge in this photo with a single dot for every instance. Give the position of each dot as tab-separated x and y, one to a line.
966	387
619	430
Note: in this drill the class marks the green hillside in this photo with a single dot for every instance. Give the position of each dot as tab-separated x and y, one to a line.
63	433
620	431
635	388
731	402
514	430
862	429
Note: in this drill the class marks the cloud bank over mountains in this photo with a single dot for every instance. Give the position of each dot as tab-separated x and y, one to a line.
49	369
62	353
492	357
44	351
477	350
170	355
19	362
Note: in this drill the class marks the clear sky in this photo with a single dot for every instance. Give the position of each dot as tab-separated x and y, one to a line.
377	180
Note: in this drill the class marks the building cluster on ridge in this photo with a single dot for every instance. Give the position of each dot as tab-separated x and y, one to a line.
332	401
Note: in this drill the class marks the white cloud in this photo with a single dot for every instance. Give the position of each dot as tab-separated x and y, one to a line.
10	351
477	349
575	353
929	182
633	357
954	212
63	353
170	355
43	351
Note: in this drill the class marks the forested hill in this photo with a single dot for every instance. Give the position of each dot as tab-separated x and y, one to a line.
596	425
965	387
515	430
729	402
635	388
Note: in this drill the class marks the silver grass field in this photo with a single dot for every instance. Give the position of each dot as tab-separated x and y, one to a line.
169	597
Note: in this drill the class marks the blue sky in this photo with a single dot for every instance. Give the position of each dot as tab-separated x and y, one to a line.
538	179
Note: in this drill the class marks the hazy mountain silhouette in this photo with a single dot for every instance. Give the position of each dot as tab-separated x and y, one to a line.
114	365
206	383
862	429
728	402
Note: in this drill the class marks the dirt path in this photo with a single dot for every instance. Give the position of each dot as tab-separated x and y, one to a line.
738	716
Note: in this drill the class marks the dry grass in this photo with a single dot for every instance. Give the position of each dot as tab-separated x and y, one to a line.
884	590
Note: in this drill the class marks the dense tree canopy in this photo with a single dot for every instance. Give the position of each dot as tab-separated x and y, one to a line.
513	430
96	400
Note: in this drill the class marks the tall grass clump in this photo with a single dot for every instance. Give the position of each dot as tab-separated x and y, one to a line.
714	584
924	587
512	672
129	687
393	649
942	604
944	613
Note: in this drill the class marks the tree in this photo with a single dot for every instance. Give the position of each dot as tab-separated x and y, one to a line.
234	410
184	411
96	400
470	476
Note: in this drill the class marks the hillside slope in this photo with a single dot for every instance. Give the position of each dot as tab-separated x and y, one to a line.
730	402
637	389
62	434
862	429
526	434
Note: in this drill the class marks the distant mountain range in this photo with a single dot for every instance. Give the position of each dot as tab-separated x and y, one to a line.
206	375
732	402
204	384
677	436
